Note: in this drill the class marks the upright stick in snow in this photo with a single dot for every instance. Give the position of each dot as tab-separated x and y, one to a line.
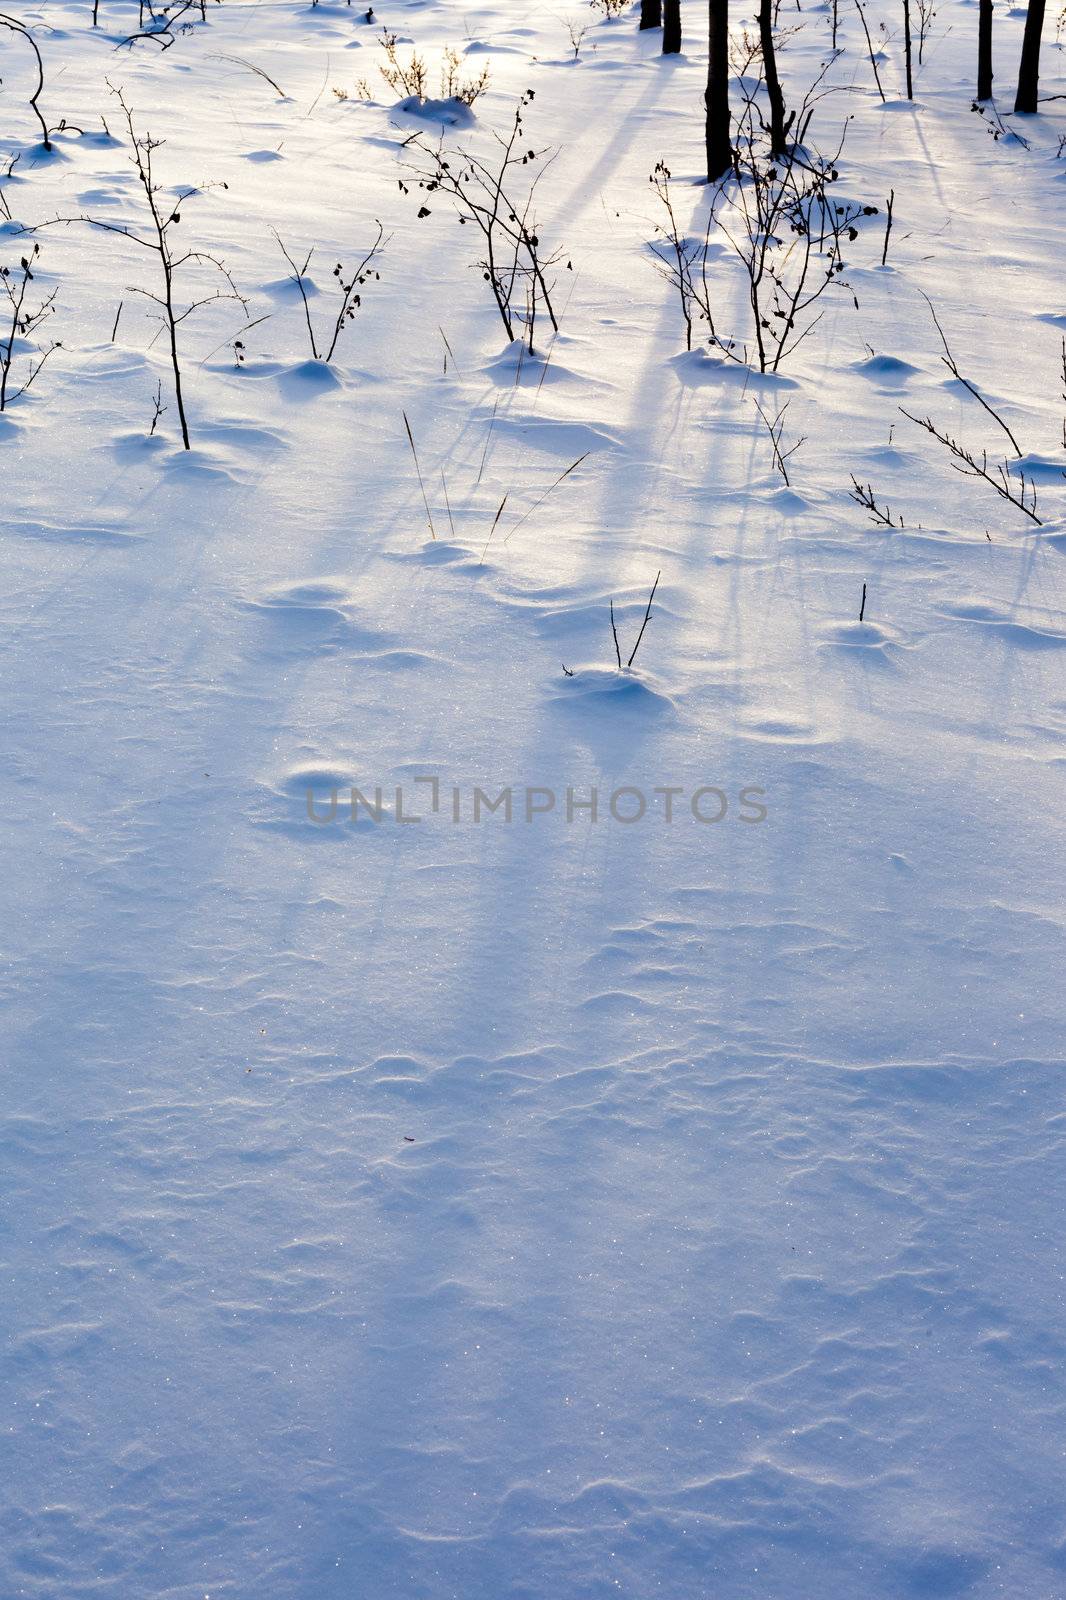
719	147
671	27
1029	69
871	51
984	50
907	47
779	126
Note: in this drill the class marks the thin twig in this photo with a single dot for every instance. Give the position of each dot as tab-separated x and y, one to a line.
949	361
966	462
644	624
863	494
870	47
888	226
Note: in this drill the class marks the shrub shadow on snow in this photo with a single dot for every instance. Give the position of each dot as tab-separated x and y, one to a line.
320	615
888	371
198	465
312	801
699	369
450	113
620	694
11	426
1040	469
135	449
442	553
569	439
76	533
515	368
308	379
1021	634
289	289
871	641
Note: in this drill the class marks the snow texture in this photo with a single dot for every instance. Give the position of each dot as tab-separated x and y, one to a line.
550	1209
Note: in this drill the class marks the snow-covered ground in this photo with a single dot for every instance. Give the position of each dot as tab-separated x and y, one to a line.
558	1208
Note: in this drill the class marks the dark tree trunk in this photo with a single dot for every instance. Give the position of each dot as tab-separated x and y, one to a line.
651	13
719	147
984	51
671	27
907	47
1029	70
778	125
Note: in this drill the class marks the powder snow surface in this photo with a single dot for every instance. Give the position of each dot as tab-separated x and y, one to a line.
557	1209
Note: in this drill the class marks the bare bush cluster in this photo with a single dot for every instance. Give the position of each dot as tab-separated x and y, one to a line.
409	75
783	228
496	197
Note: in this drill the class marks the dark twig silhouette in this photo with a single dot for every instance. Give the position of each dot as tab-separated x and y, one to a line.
348	286
640	635
1022	495
24	315
864	495
949	361
15	26
484	195
870	50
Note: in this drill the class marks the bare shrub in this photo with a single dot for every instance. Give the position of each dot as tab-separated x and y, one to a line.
348	285
164	214
25	312
491	196
786	232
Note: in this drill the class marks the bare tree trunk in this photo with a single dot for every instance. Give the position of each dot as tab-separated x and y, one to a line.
1029	69
907	47
719	146
651	13
778	125
671	27
984	50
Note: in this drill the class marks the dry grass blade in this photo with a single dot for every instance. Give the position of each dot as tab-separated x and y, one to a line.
447	502
421	484
239	61
527	514
492	530
488	441
450	351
